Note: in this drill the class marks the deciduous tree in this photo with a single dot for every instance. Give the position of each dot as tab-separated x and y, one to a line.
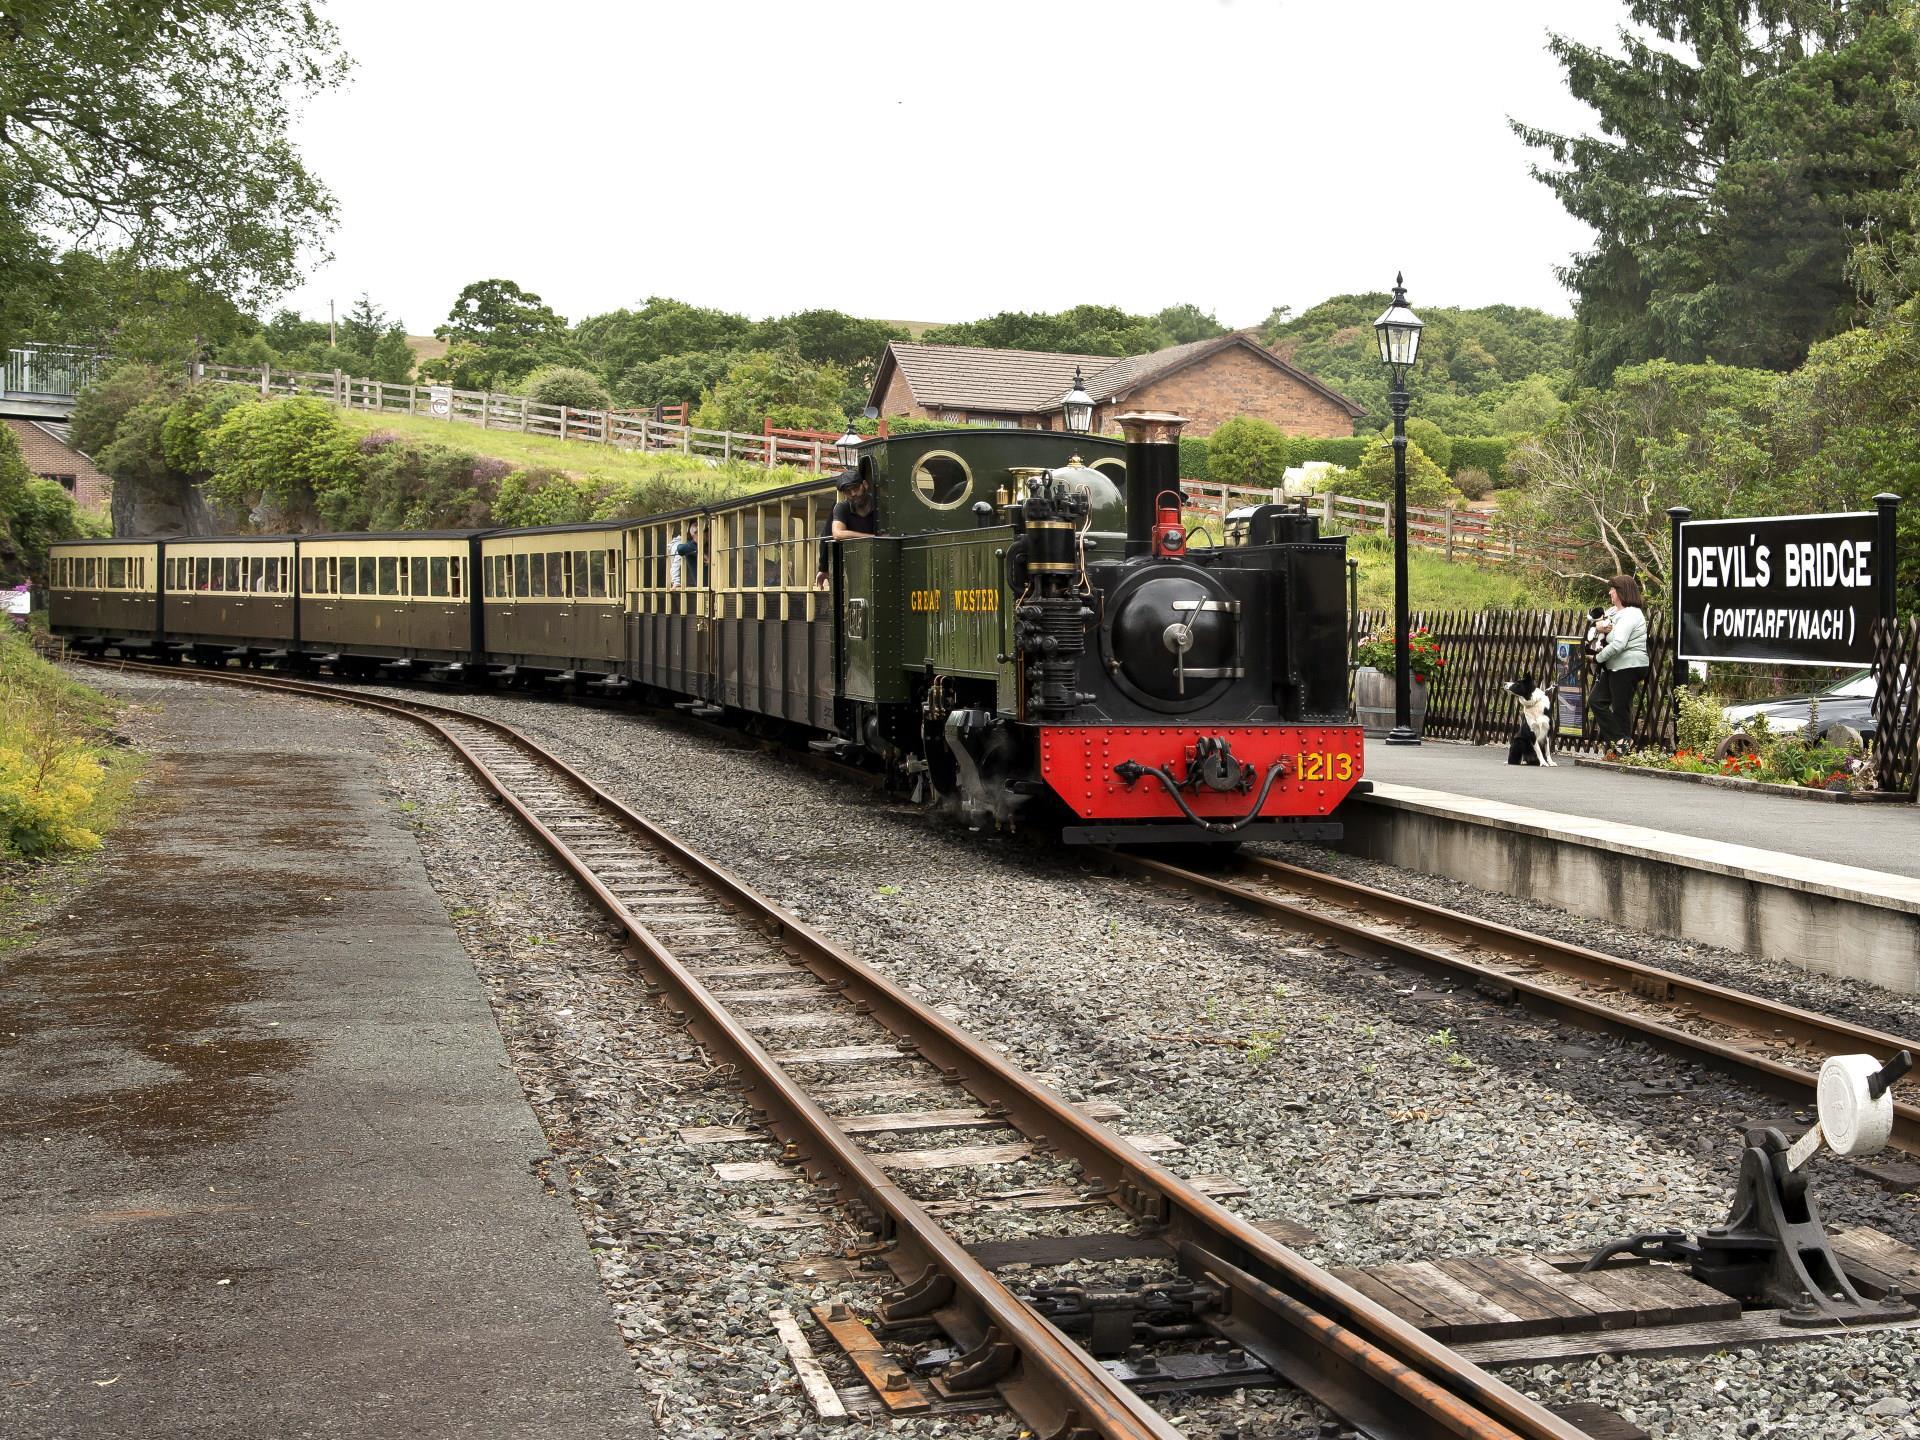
161	131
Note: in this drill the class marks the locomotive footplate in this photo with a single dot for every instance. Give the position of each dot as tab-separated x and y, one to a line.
1217	781
1148	832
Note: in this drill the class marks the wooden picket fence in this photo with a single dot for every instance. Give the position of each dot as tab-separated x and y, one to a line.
1896	673
1486	650
622	429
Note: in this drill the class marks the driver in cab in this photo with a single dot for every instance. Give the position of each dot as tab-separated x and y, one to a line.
855	517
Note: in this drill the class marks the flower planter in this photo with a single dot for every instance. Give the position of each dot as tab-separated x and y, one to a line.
1373	701
1753	787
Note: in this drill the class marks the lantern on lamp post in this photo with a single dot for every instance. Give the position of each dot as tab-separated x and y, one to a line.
848	443
1398	331
1076	406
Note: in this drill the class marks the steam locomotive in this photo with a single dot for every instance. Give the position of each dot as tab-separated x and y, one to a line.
1027	643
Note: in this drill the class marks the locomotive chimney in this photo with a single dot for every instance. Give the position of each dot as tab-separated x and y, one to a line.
1153	465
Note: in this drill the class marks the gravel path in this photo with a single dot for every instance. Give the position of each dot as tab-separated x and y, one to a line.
1394	1120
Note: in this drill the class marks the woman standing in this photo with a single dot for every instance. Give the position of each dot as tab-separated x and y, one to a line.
1624	659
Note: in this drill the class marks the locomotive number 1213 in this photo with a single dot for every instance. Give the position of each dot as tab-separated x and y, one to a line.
1326	765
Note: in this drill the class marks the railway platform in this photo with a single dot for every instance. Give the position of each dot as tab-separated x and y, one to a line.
1832	886
267	1169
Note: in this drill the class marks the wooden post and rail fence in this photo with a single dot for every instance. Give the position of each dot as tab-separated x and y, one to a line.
1456	534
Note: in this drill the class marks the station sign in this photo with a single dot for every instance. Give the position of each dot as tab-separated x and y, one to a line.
1785	589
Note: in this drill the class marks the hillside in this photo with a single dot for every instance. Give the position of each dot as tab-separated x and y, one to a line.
1472	361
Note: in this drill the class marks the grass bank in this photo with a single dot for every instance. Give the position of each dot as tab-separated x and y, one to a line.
527	452
1434	583
62	782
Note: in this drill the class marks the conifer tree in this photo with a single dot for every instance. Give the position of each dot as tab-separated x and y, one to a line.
1744	147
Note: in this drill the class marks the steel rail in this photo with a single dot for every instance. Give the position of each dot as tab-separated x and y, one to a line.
1716	1004
1359	1359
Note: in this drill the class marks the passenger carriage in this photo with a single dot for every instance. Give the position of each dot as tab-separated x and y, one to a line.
553	600
104	593
231	596
403	596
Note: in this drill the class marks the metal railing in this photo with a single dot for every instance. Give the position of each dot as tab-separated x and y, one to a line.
60	371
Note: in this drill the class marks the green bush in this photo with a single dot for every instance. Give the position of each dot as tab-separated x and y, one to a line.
191	420
99	409
1193	458
1247	451
413	486
1702	722
1343	450
33	514
566	385
1481	452
1431	439
294	454
1472	482
1427	485
807	396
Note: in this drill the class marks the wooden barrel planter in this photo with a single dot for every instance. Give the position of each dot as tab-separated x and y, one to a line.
1373	701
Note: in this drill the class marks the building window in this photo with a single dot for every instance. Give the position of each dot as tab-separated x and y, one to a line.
68	483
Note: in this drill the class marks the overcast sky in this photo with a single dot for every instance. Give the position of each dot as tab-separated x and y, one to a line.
944	161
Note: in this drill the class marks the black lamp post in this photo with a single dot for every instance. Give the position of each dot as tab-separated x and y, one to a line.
1076	406
849	445
1398	332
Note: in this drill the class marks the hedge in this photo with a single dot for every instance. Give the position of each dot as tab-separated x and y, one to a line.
1193	458
1344	450
1481	452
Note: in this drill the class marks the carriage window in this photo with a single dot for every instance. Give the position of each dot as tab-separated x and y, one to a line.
116	573
598	573
201	568
389	571
349	573
560	572
420	585
366	566
277	574
306	576
454	564
537	571
236	573
522	576
140	572
217	570
437	569
770	551
582	585
256	573
93	572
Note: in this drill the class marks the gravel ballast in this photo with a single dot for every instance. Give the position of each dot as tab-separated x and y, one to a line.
1395	1120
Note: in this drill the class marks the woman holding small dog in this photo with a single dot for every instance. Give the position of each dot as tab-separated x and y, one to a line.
1623	660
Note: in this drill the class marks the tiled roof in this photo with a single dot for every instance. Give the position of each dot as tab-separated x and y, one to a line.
1135	370
1026	382
1016	381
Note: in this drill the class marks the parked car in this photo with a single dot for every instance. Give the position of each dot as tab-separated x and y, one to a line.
1847	702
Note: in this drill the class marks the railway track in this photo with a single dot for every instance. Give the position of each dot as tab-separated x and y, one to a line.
749	980
1774	1047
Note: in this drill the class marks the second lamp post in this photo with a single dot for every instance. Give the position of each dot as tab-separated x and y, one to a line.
1398	332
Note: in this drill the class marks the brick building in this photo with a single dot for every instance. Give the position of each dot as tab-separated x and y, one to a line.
45	447
1208	381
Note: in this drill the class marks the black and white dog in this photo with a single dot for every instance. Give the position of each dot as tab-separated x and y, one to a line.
1533	740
